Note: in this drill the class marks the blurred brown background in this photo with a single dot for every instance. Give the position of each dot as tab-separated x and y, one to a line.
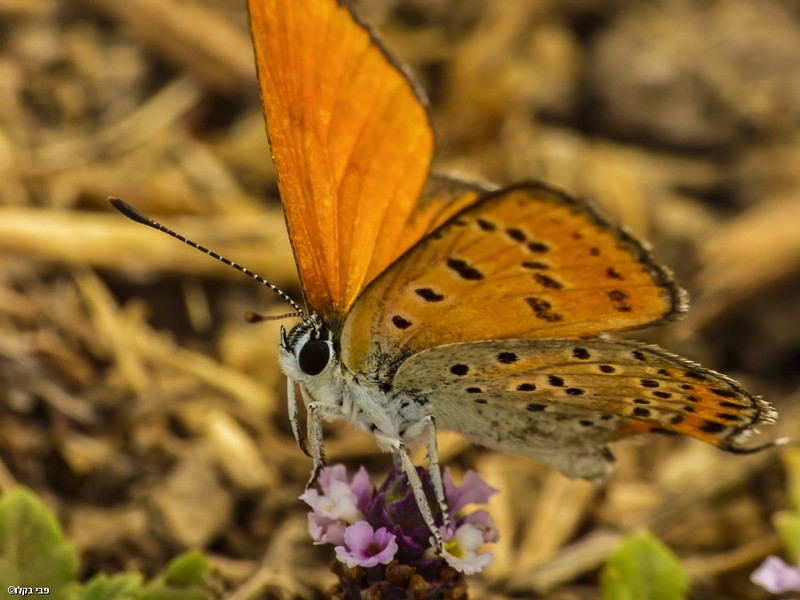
137	402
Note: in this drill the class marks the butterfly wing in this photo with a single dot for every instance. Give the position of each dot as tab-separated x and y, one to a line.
443	197
523	262
562	401
350	139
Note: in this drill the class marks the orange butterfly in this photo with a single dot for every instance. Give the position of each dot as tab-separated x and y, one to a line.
435	303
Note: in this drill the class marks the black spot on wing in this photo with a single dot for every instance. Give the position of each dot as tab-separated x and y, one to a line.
464	270
507	358
547	282
619	301
712	427
459	370
727	404
542	309
535	265
486	225
429	295
538	247
516	234
400	322
727	416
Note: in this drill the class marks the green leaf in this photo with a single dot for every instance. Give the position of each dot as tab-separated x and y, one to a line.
187	569
117	587
791	463
160	591
787	524
642	568
33	552
183	579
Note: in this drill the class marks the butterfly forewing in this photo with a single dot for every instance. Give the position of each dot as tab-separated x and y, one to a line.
561	401
350	140
525	262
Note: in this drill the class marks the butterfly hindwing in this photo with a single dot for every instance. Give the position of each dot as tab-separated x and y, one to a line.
523	262
443	197
350	140
562	401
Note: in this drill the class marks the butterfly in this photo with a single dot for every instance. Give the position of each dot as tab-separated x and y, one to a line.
435	303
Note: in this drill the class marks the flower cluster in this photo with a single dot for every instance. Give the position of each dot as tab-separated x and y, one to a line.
380	537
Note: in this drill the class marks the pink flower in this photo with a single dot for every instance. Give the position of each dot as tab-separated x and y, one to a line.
340	504
481	520
460	549
473	490
776	576
360	486
365	547
324	530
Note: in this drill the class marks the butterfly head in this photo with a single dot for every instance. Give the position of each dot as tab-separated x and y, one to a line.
307	350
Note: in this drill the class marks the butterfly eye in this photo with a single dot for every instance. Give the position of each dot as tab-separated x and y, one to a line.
314	357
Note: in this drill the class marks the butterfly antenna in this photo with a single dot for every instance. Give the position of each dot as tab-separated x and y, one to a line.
134	215
254	317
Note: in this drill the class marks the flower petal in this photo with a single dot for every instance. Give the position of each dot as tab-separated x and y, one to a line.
460	550
776	576
473	490
331	473
483	521
324	530
362	488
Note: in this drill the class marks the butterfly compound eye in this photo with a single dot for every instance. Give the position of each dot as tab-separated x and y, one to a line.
314	357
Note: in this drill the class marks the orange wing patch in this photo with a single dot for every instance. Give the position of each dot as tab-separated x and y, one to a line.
351	143
525	262
443	197
701	403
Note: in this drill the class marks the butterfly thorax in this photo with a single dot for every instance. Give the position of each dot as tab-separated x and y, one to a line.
309	357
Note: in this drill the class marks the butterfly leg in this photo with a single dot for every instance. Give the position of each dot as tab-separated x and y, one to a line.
291	397
416	484
317	413
427	428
